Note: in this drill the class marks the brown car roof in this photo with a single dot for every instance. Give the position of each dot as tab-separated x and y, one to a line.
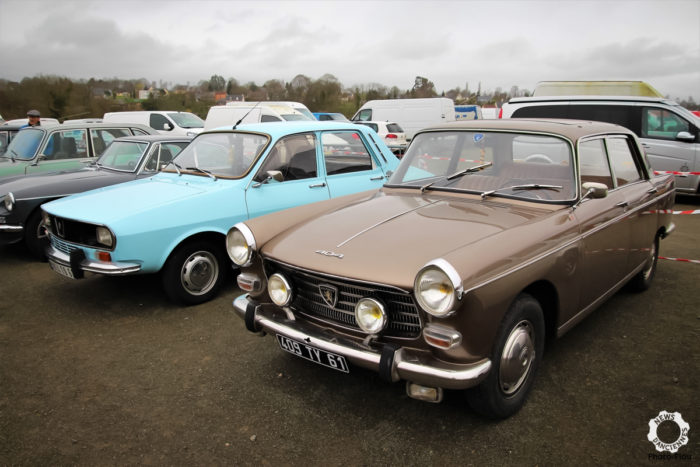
571	129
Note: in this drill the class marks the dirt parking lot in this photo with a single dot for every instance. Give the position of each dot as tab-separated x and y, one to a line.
106	371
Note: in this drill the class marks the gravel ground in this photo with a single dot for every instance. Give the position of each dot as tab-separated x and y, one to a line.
106	371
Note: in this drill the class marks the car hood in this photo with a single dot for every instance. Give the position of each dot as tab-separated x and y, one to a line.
62	183
389	237
114	203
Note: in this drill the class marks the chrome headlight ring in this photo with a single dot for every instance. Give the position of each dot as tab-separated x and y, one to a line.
438	288
9	201
240	244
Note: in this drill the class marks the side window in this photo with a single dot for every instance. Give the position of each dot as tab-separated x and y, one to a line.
623	115
294	156
159	122
69	144
622	161
138	131
541	111
102	137
4	136
662	124
162	154
344	152
269	118
593	163
365	114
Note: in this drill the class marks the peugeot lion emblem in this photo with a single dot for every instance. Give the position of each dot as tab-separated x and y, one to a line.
329	294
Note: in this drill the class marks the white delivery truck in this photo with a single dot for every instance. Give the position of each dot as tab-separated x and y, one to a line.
229	115
411	114
298	106
169	122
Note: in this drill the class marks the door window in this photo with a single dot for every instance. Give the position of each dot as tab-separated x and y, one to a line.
160	122
593	163
102	137
294	156
162	154
365	114
69	144
345	152
622	161
662	124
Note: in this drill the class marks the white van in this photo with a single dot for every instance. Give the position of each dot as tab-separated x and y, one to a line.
169	122
229	115
669	133
298	106
411	114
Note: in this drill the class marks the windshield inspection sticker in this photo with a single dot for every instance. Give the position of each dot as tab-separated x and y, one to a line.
478	137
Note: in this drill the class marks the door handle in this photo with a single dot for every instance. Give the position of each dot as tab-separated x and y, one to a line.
652	191
318	185
380	177
622	204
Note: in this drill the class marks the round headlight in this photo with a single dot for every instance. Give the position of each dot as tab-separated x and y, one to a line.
370	315
9	201
240	245
434	291
104	236
279	289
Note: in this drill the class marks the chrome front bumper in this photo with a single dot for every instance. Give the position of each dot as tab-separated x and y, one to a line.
82	264
392	363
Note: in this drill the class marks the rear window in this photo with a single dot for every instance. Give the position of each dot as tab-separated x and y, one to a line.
394	128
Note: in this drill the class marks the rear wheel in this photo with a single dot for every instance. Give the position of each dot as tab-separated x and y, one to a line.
642	280
35	236
194	272
515	359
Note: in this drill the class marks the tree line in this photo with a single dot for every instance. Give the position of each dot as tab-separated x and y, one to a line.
64	98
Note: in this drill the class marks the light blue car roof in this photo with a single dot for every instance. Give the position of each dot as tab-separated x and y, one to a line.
278	129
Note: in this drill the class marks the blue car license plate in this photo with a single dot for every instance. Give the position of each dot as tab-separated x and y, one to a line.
331	360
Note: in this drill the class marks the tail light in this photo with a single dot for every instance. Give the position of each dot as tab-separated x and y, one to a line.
391	136
500	113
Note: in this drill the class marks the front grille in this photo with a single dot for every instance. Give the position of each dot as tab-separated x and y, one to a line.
404	319
72	231
60	245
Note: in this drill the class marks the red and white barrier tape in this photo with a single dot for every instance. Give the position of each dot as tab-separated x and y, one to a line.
683	260
671	211
673	172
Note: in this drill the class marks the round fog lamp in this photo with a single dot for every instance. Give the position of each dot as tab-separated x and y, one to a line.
279	289
370	315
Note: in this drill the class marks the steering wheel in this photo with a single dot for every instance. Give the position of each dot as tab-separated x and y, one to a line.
541	158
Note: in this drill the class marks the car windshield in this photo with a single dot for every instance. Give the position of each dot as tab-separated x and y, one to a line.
24	145
225	154
490	163
186	120
122	155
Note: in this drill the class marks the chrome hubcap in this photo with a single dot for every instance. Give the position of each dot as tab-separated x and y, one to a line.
650	262
517	357
199	272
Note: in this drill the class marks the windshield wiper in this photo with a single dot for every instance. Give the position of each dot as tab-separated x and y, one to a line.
531	186
177	167
202	171
469	170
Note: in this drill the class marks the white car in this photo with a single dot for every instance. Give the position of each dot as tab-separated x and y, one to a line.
392	134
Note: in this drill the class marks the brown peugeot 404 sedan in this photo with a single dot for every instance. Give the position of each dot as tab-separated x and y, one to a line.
490	238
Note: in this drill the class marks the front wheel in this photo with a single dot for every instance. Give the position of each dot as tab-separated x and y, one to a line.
35	236
515	358
194	273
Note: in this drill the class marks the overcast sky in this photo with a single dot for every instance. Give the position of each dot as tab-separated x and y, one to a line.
498	43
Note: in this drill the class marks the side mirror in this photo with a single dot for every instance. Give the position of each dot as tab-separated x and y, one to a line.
275	175
594	190
167	126
685	136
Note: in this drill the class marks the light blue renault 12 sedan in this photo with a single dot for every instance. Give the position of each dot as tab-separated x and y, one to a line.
175	222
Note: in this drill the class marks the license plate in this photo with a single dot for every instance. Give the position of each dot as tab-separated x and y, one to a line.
336	362
62	270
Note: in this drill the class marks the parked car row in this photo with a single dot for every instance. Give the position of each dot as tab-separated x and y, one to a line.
448	270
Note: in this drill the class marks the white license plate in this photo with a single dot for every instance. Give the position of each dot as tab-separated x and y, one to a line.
62	270
331	360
